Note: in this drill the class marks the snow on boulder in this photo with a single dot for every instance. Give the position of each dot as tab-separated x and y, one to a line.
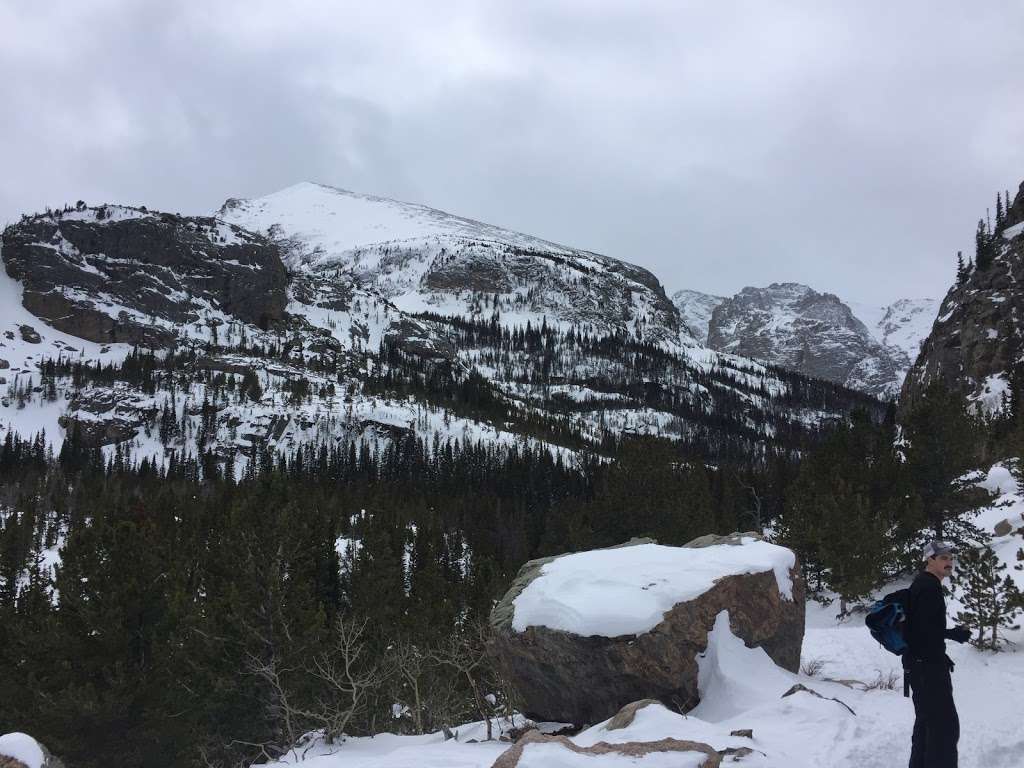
22	748
584	634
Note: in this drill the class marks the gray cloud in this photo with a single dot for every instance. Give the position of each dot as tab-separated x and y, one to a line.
848	146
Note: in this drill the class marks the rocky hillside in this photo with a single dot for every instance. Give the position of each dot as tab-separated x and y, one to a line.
790	325
975	342
317	317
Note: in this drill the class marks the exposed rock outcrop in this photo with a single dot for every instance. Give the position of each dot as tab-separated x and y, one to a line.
117	274
567	677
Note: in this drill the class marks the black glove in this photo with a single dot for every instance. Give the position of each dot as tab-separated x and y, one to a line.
958	634
950	664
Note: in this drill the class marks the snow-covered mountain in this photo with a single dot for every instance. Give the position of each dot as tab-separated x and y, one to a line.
861	346
315	316
425	260
902	325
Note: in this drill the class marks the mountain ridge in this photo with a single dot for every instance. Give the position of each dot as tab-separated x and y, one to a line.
447	338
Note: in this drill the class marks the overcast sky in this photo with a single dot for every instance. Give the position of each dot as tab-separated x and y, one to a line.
851	146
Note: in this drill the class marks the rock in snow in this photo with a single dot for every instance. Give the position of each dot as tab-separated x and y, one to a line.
582	635
535	750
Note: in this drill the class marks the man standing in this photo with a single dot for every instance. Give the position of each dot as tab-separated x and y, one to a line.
937	726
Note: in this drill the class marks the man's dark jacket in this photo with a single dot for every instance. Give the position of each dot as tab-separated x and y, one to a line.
926	621
936	724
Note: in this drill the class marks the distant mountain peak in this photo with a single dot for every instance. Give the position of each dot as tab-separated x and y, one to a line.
792	325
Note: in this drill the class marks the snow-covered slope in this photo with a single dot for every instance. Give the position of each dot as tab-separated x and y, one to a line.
902	325
696	309
334	223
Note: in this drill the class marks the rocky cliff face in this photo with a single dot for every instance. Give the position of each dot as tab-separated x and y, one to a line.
795	327
976	339
119	274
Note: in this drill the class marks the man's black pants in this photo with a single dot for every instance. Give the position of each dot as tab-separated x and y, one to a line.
937	726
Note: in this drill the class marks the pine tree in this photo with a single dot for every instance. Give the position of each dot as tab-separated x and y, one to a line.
941	437
983	246
961	269
991	599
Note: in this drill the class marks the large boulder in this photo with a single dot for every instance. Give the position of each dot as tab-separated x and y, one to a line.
584	634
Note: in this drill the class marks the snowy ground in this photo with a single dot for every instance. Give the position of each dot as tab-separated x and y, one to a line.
741	689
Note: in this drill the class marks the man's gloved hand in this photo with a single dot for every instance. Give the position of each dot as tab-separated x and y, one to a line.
959	634
950	663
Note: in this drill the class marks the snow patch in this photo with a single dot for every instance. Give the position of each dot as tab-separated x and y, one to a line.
1011	232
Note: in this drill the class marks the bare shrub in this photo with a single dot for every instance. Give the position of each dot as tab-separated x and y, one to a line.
812	667
885	681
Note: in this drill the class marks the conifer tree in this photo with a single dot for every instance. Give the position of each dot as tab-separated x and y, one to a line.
991	599
961	269
940	436
983	246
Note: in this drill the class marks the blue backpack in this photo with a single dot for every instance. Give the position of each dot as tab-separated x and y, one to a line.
887	620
